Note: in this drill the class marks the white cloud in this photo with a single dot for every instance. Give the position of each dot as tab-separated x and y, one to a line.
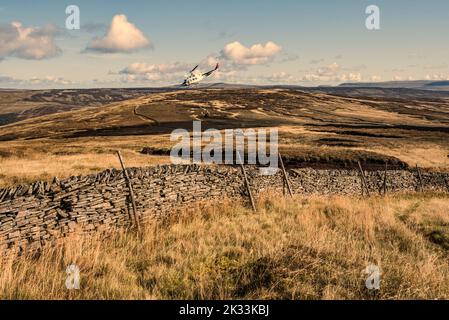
329	70
350	77
173	73
310	78
437	77
282	78
49	81
331	74
256	54
403	78
122	36
143	72
145	68
23	42
225	76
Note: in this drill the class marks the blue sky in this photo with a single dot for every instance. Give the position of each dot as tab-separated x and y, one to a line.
255	41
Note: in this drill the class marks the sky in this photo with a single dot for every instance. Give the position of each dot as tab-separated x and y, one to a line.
141	43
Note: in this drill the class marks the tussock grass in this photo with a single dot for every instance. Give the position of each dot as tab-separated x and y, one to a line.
301	248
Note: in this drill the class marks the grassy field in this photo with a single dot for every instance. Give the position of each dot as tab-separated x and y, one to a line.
65	132
301	248
24	161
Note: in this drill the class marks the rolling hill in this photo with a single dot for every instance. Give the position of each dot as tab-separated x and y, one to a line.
81	129
130	112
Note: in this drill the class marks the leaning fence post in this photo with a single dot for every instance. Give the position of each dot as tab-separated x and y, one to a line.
363	179
421	185
131	192
385	179
285	175
246	182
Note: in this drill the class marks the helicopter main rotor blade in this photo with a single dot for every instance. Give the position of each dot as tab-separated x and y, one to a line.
194	69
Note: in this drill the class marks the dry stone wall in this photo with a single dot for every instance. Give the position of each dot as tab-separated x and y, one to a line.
42	212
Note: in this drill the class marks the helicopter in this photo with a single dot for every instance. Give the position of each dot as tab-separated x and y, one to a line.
196	77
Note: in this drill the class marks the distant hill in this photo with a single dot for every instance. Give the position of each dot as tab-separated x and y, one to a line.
113	112
417	84
18	105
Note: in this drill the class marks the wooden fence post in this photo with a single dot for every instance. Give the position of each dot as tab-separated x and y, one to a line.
385	179
363	179
246	182
131	192
285	175
421	185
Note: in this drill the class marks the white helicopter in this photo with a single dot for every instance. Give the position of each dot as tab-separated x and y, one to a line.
197	77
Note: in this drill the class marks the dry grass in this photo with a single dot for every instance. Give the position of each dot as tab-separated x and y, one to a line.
306	248
411	128
428	150
429	156
28	161
45	167
23	161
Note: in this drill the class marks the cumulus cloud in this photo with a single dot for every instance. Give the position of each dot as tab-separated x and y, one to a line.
122	36
282	78
225	73
329	70
23	42
324	73
140	71
403	78
437	77
145	68
169	73
331	73
49	81
256	54
350	77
